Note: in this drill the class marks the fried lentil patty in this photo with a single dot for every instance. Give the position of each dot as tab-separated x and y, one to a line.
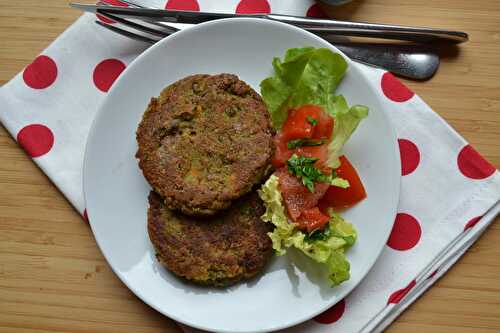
204	142
221	250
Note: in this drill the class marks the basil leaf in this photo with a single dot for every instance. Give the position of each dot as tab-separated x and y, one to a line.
304	143
312	121
318	234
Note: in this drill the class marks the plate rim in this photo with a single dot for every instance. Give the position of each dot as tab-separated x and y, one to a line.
101	110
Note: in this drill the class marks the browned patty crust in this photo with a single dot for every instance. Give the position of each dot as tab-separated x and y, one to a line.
205	142
221	250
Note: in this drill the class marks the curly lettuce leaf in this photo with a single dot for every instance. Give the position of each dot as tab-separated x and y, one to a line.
342	229
346	121
275	214
338	267
326	246
305	76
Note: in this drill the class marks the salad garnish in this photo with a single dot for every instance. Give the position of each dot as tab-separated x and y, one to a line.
303	168
313	180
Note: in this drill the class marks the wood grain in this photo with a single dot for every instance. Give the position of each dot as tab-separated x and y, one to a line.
53	277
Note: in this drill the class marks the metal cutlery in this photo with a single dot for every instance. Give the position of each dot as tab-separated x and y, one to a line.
318	26
403	60
411	61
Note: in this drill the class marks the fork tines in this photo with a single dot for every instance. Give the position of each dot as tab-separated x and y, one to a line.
146	33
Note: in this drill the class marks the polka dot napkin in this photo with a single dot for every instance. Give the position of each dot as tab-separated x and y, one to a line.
449	192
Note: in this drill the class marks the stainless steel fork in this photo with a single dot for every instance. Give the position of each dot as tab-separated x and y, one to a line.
411	61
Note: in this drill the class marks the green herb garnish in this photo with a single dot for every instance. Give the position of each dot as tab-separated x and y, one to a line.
319	234
304	143
312	121
303	167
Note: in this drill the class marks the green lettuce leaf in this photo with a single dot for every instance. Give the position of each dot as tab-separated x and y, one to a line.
346	121
338	267
326	246
342	229
305	76
275	213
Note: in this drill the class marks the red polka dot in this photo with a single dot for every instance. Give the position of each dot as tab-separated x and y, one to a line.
106	72
41	73
85	216
315	11
472	222
183	5
473	165
398	295
410	156
331	315
394	89
405	233
113	3
253	7
36	139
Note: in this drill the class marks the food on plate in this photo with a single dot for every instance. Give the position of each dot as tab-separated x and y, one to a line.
218	251
312	180
204	142
338	197
207	140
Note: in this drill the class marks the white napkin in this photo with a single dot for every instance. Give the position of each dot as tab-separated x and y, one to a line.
446	186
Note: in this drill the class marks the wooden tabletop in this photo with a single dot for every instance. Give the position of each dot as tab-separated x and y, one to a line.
53	278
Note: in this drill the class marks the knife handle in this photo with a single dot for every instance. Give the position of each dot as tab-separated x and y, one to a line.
373	30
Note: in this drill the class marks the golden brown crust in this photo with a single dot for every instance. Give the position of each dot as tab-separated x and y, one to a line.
205	142
219	251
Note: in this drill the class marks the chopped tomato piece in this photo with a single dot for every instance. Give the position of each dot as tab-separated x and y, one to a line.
282	153
298	124
307	122
312	219
336	197
320	152
324	129
296	196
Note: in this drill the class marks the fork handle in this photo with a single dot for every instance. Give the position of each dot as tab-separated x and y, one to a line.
373	30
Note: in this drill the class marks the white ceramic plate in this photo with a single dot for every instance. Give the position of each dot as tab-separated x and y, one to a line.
291	289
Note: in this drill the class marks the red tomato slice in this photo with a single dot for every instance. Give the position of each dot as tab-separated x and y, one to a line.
336	197
324	128
320	152
282	153
312	219
296	196
297	125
